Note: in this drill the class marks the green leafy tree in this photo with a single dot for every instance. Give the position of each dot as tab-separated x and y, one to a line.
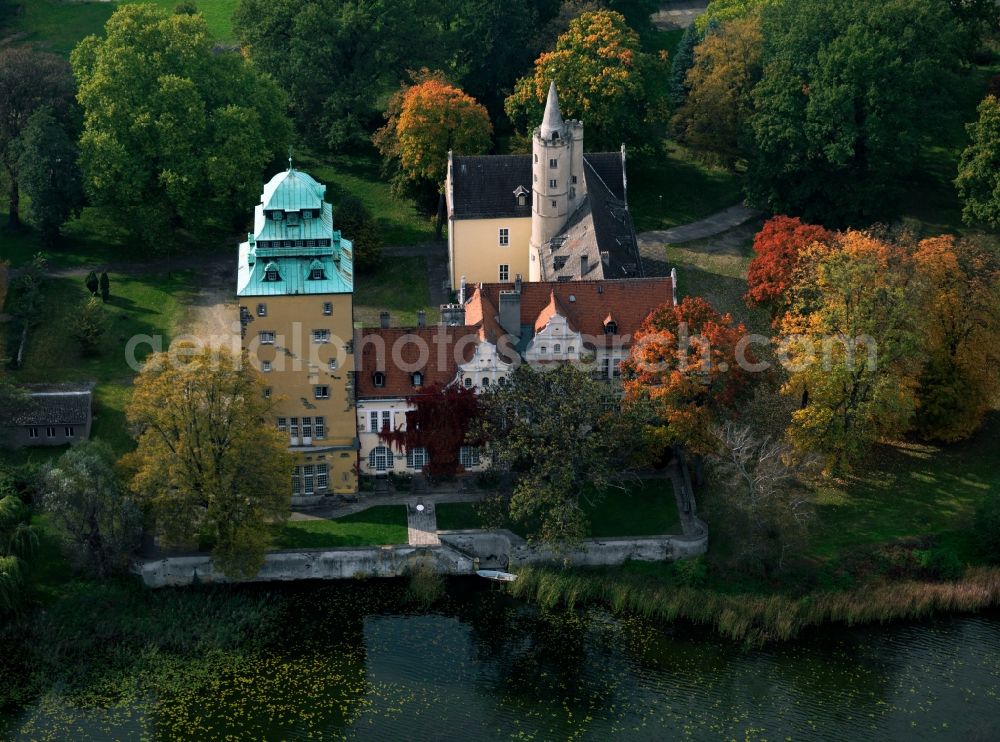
101	521
18	541
720	12
978	179
553	431
48	174
29	80
355	221
176	133
333	57
207	464
604	78
89	324
846	103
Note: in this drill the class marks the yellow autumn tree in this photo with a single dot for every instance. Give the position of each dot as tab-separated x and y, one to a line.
714	119
959	283
849	343
603	78
207	465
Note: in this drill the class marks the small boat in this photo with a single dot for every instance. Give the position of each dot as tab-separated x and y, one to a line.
496	575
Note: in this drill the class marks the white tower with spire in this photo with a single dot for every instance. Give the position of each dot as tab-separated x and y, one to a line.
558	183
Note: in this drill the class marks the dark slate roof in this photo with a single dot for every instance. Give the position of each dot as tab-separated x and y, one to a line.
600	230
484	185
56	404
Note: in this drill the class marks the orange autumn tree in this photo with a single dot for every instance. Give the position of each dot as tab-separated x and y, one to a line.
959	283
685	365
428	119
849	343
776	256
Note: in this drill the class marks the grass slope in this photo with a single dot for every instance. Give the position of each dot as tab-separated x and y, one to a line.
384	524
399	287
59	25
139	305
648	508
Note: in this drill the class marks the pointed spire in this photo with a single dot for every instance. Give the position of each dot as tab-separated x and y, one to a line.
552	121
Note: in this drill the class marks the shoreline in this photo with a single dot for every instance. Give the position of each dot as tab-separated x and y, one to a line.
757	619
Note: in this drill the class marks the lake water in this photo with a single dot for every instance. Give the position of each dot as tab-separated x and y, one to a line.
480	666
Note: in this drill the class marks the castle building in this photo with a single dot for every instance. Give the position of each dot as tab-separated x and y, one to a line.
295	287
558	214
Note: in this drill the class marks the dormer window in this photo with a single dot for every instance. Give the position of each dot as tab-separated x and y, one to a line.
610	327
522	200
316	272
277	215
417	378
378	379
271	272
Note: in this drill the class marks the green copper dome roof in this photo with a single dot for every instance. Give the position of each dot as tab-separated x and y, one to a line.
292	190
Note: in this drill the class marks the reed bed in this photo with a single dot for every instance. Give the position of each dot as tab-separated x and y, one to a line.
757	619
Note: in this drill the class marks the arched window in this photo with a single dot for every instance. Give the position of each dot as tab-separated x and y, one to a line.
379	458
316	272
611	328
378	379
486	381
468	382
271	272
417	378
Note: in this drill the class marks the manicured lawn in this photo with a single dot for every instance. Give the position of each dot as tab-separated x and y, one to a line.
648	508
398	220
673	188
59	25
384	524
399	287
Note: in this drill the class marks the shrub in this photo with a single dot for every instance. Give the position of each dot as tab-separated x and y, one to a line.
942	564
89	324
691	572
402	481
987	526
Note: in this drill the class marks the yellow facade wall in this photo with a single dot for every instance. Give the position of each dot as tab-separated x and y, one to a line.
477	254
298	364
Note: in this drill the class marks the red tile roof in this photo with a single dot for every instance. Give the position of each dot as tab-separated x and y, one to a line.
586	304
398	352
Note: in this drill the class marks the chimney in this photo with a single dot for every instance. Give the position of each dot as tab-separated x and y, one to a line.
517	283
461	291
453	315
510	310
383	319
421	318
583	266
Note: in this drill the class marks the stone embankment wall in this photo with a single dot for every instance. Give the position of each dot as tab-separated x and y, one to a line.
460	553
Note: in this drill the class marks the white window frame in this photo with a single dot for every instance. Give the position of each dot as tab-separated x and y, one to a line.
321	391
266	337
50	431
377	419
327	308
265	367
322	477
282	424
321	336
267	392
417	458
553	162
33	431
468	456
332	364
504	272
319	427
262	310
503	237
380	454
553	183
